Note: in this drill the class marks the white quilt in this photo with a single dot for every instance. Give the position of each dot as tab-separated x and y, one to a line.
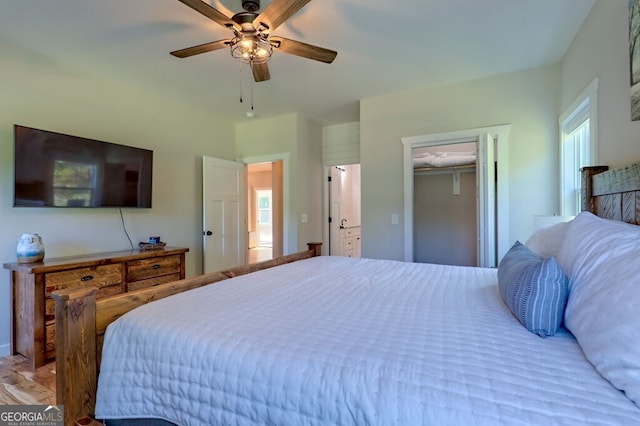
343	341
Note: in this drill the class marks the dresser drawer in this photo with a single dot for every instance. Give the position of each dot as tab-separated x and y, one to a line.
143	269
136	285
99	276
352	232
348	244
50	304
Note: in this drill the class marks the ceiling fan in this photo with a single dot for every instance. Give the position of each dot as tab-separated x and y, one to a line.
252	41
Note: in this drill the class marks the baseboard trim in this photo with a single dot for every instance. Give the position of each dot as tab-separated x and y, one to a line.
5	350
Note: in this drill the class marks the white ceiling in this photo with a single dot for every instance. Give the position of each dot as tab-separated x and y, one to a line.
384	46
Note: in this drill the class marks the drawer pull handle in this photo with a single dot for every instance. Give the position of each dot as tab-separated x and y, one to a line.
86	278
156	266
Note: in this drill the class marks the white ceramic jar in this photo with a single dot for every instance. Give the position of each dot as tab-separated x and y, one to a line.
30	248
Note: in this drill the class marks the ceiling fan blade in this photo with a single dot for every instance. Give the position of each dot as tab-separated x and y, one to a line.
260	72
304	50
277	12
210	12
201	48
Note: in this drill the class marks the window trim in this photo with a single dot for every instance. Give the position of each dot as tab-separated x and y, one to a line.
583	107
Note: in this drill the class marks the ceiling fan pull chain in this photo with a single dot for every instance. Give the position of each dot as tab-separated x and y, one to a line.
252	95
240	85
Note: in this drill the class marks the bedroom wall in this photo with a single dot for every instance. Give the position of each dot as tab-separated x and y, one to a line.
527	100
300	140
308	187
40	92
601	49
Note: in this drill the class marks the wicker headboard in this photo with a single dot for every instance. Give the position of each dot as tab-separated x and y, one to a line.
612	194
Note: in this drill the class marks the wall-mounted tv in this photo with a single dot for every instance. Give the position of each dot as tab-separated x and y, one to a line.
57	170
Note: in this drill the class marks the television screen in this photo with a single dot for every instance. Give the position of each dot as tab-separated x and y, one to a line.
58	170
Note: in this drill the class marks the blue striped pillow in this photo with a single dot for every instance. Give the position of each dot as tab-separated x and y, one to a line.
534	289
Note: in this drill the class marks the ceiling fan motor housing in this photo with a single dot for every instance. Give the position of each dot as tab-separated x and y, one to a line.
251	5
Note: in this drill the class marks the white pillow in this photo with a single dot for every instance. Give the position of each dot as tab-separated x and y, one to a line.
601	258
546	242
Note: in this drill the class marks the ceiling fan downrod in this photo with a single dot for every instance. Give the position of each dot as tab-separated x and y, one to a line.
251	5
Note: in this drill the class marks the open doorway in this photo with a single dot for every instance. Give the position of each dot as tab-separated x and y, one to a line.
264	210
344	210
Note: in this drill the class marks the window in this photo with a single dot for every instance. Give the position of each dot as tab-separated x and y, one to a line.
578	148
265	231
73	183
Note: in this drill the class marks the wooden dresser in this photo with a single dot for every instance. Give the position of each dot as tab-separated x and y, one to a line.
33	332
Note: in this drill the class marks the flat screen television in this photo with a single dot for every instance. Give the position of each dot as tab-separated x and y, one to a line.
57	170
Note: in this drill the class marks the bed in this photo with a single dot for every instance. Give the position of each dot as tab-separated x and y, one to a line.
549	337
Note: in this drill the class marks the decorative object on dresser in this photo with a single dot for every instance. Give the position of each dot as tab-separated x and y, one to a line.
30	248
111	273
152	246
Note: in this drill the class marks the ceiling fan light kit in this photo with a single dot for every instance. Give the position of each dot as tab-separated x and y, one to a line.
251	49
252	42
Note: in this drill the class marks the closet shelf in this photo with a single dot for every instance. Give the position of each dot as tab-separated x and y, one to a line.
463	168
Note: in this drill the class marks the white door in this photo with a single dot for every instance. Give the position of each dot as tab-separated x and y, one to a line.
224	204
486	194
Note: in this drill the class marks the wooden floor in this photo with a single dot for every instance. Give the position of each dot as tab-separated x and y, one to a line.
22	385
258	254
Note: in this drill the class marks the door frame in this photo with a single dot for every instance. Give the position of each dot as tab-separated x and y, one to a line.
500	133
332	239
286	210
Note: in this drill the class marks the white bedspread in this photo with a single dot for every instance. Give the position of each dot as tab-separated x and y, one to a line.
342	341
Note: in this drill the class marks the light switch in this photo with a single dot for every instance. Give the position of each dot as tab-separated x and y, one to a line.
394	219
304	218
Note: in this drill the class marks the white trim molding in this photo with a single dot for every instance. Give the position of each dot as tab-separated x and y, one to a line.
501	134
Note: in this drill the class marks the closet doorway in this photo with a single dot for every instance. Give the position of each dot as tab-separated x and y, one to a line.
488	175
445	204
